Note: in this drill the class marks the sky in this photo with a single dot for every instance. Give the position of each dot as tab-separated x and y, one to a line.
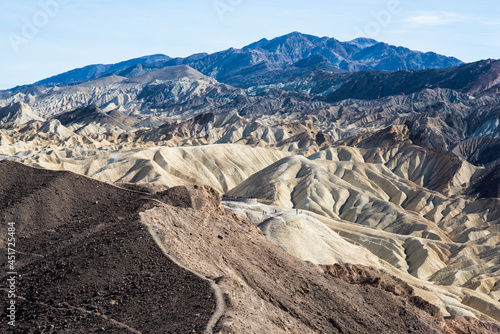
41	38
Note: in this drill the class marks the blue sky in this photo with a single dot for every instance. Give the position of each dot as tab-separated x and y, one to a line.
40	38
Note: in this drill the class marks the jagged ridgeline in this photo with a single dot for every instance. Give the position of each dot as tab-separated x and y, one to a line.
374	174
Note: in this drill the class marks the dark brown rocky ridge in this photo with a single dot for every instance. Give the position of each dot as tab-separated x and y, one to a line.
85	262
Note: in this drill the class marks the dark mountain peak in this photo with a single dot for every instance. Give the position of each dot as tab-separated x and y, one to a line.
363	42
293	37
257	45
292	40
298	35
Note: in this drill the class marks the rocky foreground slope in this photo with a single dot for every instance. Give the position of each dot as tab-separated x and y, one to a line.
85	263
93	256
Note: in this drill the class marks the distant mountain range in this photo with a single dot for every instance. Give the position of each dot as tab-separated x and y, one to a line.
260	62
360	85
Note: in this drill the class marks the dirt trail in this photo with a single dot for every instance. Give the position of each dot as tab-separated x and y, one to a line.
219	312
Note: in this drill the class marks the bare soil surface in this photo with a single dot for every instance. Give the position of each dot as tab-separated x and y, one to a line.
86	264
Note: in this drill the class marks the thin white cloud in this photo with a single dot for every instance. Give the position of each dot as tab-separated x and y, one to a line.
434	19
